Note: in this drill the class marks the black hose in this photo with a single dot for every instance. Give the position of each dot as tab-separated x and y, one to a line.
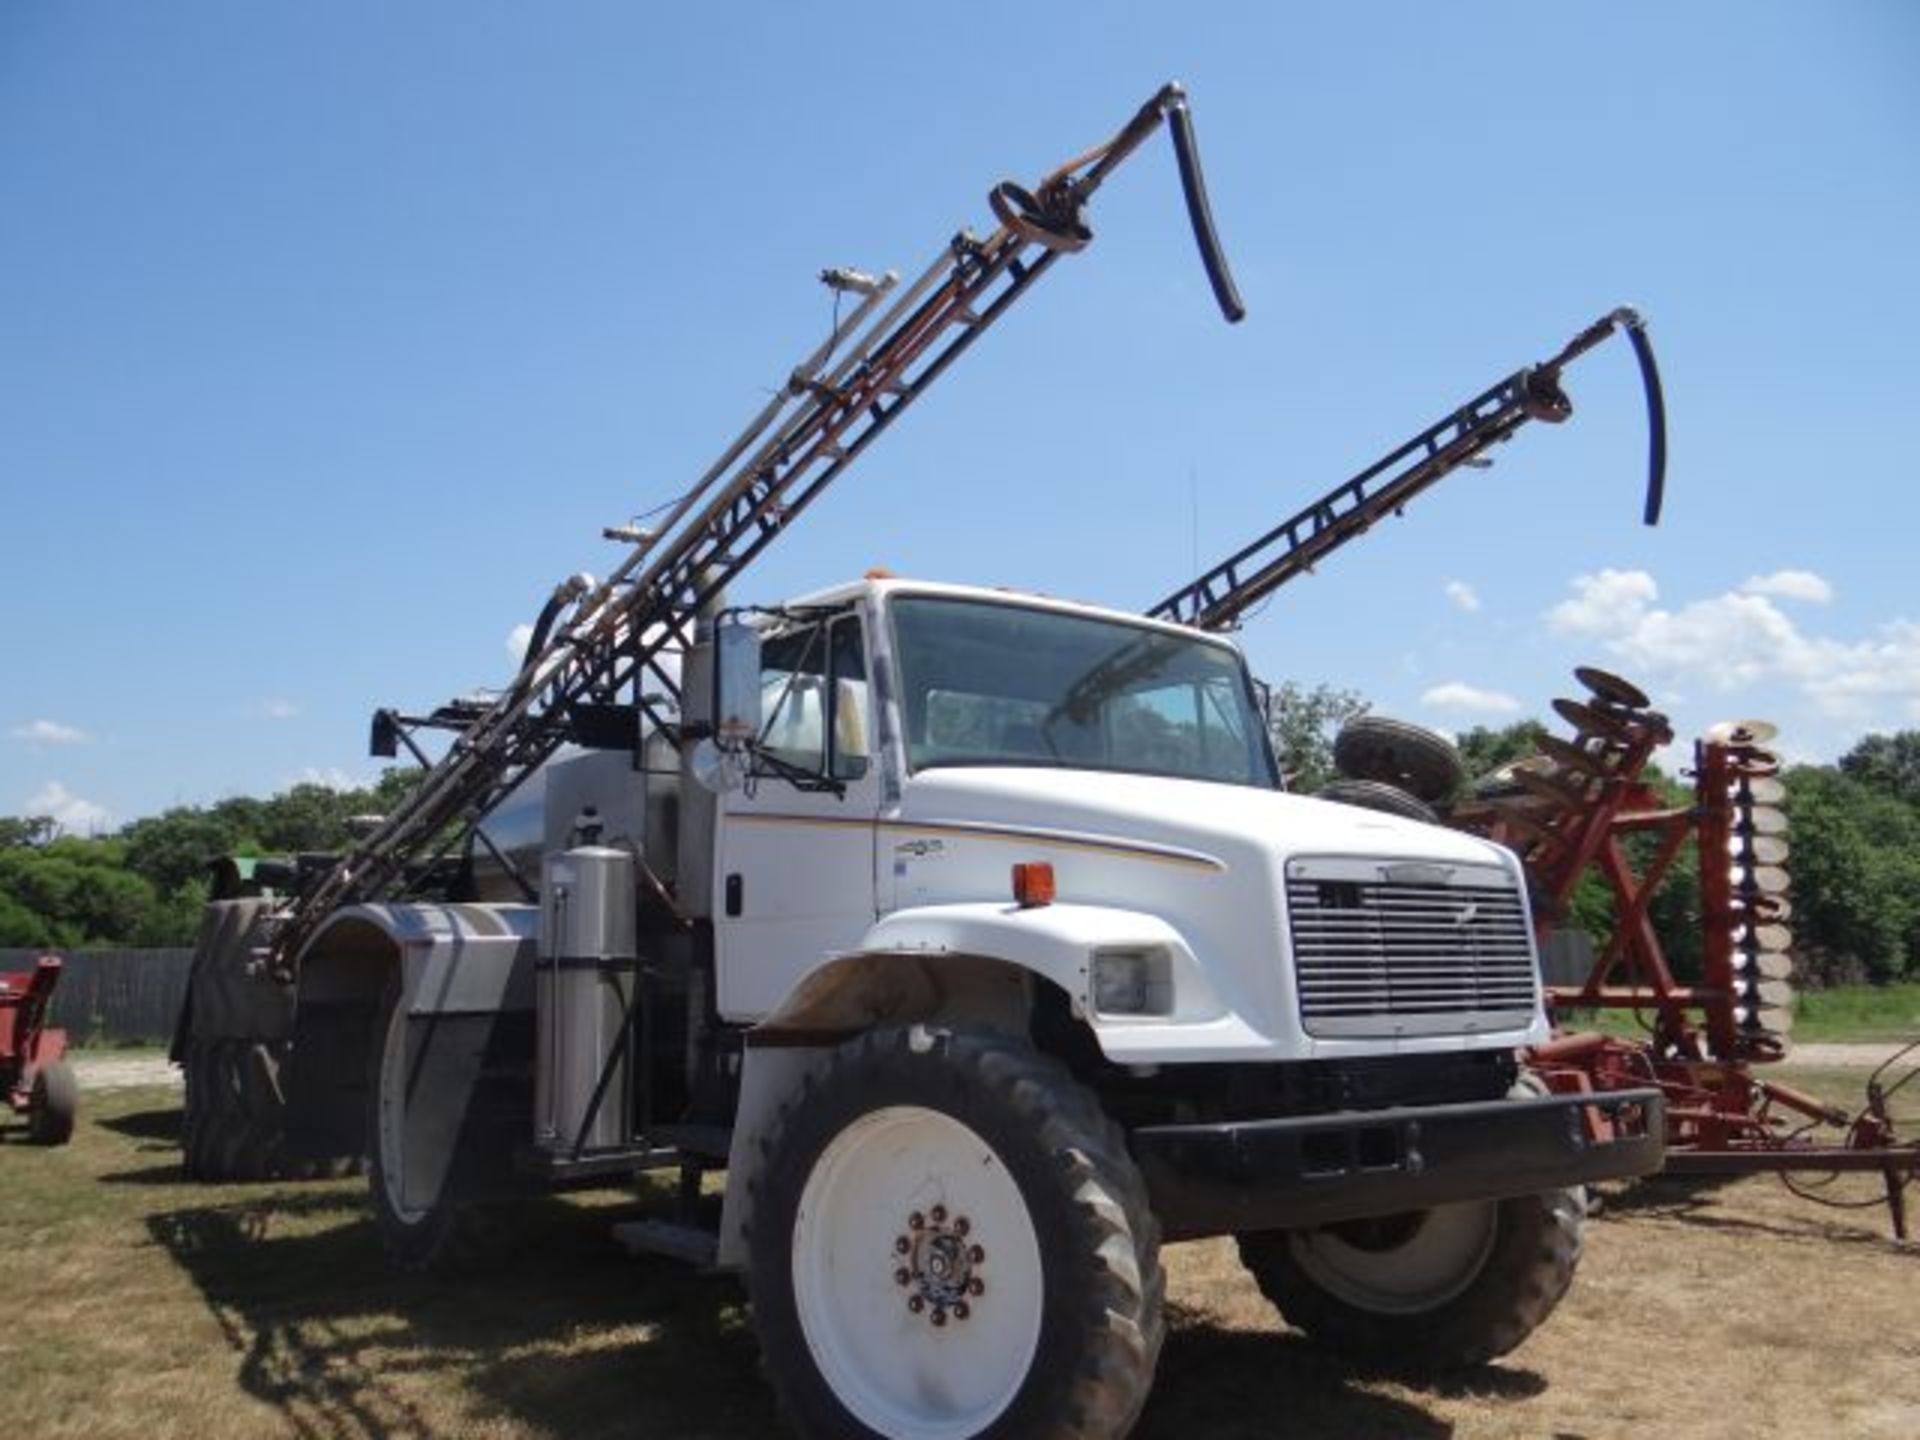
1187	153
1656	419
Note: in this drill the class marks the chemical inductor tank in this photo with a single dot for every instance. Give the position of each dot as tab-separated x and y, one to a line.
584	982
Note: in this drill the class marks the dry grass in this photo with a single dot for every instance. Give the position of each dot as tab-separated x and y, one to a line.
155	1308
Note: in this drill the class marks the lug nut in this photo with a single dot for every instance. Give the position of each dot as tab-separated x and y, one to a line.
939	1214
916	1221
961	1225
902	1245
939	1316
976	1287
976	1254
961	1310
916	1304
902	1276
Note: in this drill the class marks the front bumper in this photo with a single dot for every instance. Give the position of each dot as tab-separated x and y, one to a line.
1216	1179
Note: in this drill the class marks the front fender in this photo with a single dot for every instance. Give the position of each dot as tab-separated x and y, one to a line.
1055	942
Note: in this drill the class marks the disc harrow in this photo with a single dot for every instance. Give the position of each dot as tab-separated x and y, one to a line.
1585	803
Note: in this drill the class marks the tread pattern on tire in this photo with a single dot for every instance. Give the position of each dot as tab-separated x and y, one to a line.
1422	762
1121	1324
1376	795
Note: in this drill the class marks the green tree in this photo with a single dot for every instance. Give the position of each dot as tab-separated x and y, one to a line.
1484	749
1303	724
1855	865
1889	764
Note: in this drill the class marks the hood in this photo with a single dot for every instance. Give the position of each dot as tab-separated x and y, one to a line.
1188	814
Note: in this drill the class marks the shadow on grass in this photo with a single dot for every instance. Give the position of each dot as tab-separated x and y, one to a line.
562	1335
1238	1383
1703	1201
158	1125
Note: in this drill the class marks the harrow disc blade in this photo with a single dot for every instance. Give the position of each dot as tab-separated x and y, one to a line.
1741	732
1771	966
1765	820
1771	937
1765	879
1595	720
1758	849
1569	756
1566	792
1760	790
1612	688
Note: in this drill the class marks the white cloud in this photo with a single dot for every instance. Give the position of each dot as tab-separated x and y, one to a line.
279	709
1608	601
49	732
1790	585
1462	595
517	639
1742	638
1458	695
68	810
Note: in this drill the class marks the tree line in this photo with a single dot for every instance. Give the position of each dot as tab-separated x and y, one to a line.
143	885
1855	860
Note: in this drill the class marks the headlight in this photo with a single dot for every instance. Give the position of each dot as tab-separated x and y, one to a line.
1132	982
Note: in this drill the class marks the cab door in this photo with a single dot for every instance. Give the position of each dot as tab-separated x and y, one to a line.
796	844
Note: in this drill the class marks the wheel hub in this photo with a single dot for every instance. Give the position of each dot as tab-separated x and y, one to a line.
937	1262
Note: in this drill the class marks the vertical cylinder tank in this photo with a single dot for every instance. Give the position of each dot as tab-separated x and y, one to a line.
583	985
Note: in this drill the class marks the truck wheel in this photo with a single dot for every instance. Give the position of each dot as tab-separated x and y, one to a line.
1437	1289
1377	795
1420	761
445	1236
949	1239
53	1104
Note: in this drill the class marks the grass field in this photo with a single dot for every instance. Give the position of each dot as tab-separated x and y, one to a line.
150	1307
1844	1014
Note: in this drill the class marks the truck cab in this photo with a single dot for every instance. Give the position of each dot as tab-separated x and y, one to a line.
915	746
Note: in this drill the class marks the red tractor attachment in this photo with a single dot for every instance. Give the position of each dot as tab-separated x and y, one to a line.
34	1075
1583	805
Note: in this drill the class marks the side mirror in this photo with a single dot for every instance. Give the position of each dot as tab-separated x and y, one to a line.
736	685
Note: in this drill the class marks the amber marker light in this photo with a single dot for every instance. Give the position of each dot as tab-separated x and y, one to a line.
1033	884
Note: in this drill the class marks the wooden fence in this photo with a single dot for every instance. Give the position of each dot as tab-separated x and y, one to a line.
115	995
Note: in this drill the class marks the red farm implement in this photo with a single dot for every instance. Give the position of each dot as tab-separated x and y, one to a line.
1584	805
34	1075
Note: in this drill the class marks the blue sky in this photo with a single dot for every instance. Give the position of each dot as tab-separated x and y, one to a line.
331	335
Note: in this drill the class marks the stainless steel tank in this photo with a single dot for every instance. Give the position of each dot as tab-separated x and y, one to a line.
584	981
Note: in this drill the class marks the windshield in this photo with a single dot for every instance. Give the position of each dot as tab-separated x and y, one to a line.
992	684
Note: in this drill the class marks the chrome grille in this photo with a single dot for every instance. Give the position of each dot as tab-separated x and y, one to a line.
1409	948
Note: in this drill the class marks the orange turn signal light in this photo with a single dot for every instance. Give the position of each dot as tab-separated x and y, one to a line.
1033	884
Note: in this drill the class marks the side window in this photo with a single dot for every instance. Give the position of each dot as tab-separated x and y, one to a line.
793	670
813	693
849	671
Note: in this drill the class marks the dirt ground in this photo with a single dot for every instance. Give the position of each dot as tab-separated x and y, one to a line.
156	1308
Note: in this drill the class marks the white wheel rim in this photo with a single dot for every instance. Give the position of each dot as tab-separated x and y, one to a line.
1431	1266
973	1257
391	1110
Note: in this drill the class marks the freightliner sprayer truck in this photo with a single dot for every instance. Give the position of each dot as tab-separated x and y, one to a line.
972	935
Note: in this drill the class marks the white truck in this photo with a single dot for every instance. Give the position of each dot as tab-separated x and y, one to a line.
971	934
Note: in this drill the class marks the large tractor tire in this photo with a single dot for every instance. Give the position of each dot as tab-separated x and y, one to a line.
448	1236
53	1104
1430	1290
1420	761
1377	795
235	1120
949	1239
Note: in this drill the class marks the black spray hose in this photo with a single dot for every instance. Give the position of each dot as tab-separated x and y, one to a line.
1636	329
1194	184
